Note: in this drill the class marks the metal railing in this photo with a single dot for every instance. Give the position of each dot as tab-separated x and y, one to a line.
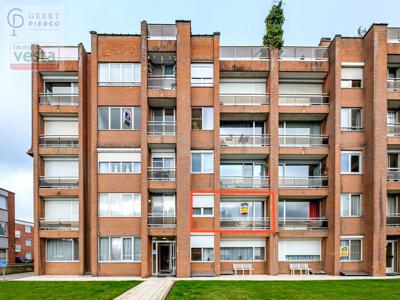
304	53
58	140
58	224
393	219
57	53
58	99
303	182
244	140
162	174
302	223
161	82
303	100
393	84
244	181
64	182
244	223
393	34
393	129
161	31
243	99
243	53
303	140
161	128
162	220
393	174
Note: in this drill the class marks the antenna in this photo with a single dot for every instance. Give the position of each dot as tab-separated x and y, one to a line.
361	31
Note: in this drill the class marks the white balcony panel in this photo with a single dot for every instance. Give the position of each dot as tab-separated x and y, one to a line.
64	127
300	246
61	168
203	200
202	241
300	88
243	242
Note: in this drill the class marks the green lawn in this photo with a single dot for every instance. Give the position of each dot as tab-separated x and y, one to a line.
63	289
331	289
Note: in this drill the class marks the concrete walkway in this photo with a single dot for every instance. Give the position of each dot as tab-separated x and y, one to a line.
79	278
152	289
17	276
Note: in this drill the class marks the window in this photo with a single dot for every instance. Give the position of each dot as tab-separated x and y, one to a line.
242	253
202	247
119	74
119	249
3	229
119	118
203	118
61	209
202	162
351	119
4	254
118	167
119	204
28	255
351	163
17	233
28	243
354	249
202	254
350	205
119	161
352	76
203	205
17	248
28	229
299	249
64	250
202	74
3	202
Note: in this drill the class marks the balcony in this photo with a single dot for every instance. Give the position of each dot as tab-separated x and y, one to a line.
393	129
393	219
303	100
393	35
57	53
304	53
160	220
161	128
302	223
243	99
162	82
243	53
58	99
58	224
393	174
260	140
162	174
250	223
393	85
58	141
303	182
58	182
244	182
161	31
303	141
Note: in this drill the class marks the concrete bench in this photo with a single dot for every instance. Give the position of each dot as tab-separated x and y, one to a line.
243	268
299	267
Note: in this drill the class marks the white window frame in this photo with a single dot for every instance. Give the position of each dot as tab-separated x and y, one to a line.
29	230
17	233
349	110
350	238
202	152
4	198
202	215
28	241
349	65
253	260
202	255
120	82
17	248
285	254
121	127
28	253
203	108
135	197
73	252
349	196
202	81
350	154
122	249
120	167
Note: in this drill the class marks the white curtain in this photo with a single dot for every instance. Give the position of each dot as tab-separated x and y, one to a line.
61	250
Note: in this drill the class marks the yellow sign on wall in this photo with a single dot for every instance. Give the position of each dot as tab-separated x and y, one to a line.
344	251
244	208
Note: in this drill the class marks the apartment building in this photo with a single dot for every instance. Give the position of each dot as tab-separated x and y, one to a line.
165	153
7	225
23	240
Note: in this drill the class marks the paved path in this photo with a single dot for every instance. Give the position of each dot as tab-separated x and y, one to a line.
152	289
79	278
16	276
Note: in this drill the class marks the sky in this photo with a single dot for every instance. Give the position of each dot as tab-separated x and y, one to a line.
239	22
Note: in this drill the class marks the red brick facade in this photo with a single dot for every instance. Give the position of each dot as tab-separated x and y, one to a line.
24	233
9	218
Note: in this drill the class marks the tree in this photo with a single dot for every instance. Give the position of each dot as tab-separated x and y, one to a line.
273	37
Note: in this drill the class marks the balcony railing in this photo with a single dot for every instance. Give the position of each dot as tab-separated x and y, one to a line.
302	223
393	84
303	140
244	223
161	82
58	99
245	140
58	141
58	224
58	182
303	182
393	219
244	182
161	31
393	35
162	220
161	128
304	53
393	174
57	53
162	174
303	100
243	53
393	129
243	99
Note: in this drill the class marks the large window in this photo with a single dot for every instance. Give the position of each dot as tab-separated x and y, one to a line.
3	229
119	161
61	209
351	249
351	119
28	243
203	118
202	161
299	249
119	204
242	249
119	74
119	249
202	254
62	250
203	205
28	229
119	118
352	76
3	202
351	162
202	74
350	205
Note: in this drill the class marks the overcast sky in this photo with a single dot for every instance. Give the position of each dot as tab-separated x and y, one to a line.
240	23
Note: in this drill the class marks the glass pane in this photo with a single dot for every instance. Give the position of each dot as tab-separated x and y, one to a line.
126	72
196	211
127	118
355	163
136	73
259	253
158	114
103	118
355	205
196	254
137	249
207	211
344	243
208	254
126	167
103	72
76	249
115	248
115	204
127	204
115	116
345	120
344	205
136	118
127	249
196	162
208	163
115	167
137	205
208	118
115	73
297	209
344	163
356	118
103	205
355	250
104	167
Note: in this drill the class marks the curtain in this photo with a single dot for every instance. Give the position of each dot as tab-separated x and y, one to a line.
60	249
104	249
137	249
314	209
344	205
127	249
208	254
355	205
236	253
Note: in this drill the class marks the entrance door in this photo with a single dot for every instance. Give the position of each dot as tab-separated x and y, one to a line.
391	256
163	257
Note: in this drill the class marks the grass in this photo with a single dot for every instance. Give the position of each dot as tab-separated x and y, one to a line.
329	289
63	289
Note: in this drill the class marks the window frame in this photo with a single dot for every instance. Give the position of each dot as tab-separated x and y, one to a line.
349	239
2	197
349	113
73	251
202	215
203	109
202	255
120	167
121	127
350	205
29	230
110	82
135	197
109	260
350	154
17	248
253	260
202	81
201	152
26	243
